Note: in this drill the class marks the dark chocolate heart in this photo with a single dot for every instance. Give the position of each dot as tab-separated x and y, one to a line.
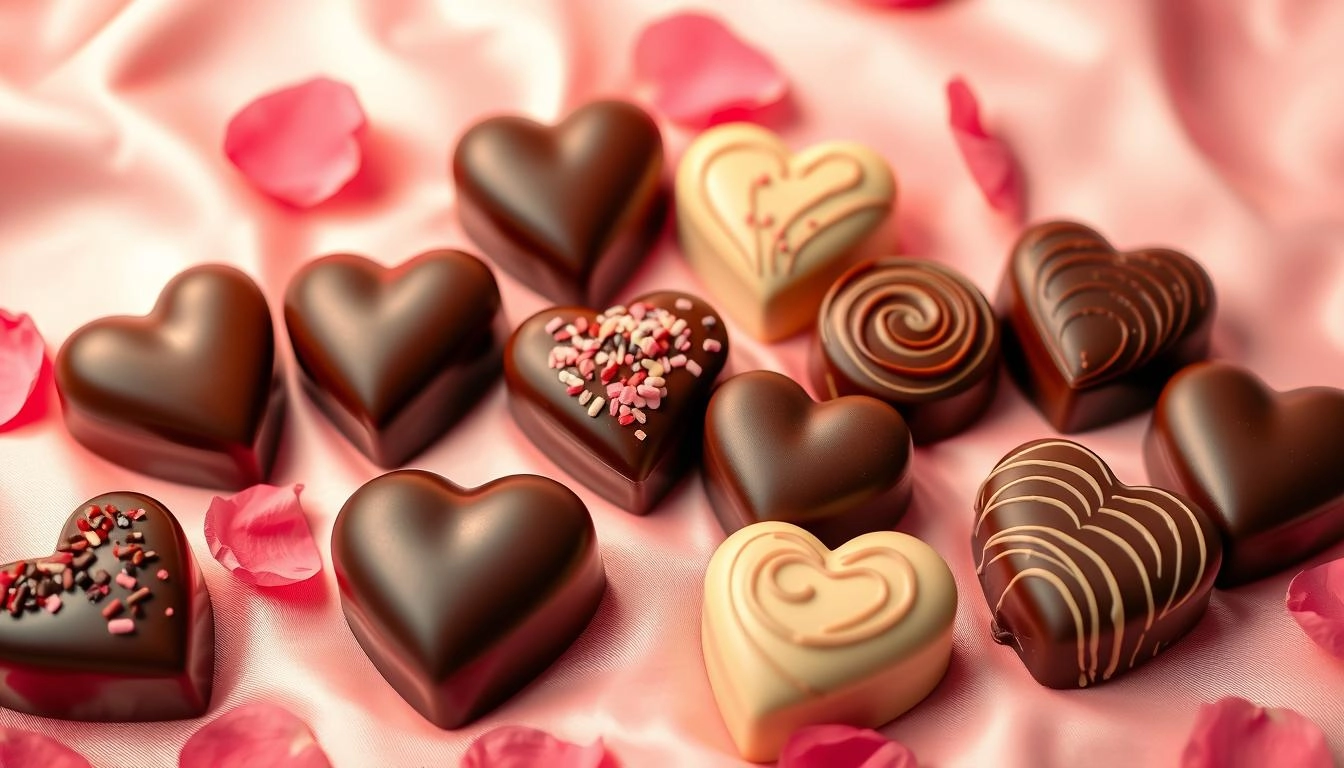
568	210
1096	332
838	469
191	392
1087	578
565	390
1268	466
461	597
395	357
88	634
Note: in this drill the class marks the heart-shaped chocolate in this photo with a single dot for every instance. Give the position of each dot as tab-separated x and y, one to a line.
837	469
1091	333
769	231
795	634
616	398
1268	466
1087	578
191	393
395	357
461	597
569	210
115	626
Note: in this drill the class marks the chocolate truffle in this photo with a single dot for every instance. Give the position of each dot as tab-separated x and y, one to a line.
1268	466
616	398
114	626
768	231
915	334
191	393
1091	334
395	357
837	469
462	597
795	634
571	210
1087	578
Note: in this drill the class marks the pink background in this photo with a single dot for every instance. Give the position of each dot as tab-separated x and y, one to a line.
1214	126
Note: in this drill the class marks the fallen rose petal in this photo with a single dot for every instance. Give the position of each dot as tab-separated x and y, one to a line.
24	748
254	735
699	73
299	144
989	160
843	746
21	353
262	536
901	3
1234	733
1316	601
517	746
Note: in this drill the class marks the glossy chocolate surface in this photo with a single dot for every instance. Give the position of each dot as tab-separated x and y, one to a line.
67	664
461	597
191	392
1268	466
570	210
837	469
1091	334
1087	578
914	334
395	357
632	464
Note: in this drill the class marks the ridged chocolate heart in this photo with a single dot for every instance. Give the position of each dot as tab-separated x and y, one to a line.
1094	333
396	356
1268	466
191	392
1087	578
115	626
568	210
837	469
460	597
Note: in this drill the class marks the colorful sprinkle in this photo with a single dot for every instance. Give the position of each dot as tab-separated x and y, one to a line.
126	581
121	626
162	575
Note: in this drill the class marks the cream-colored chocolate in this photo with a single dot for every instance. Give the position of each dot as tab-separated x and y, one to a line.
768	231
795	634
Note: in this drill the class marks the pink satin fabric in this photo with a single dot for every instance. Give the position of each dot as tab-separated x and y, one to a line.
1213	126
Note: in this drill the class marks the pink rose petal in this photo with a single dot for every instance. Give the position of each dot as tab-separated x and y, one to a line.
299	144
1234	733
254	735
843	746
21	353
262	536
989	160
1316	601
901	3
517	746
699	73
20	748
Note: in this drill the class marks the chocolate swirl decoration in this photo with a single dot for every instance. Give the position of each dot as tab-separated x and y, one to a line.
1104	312
908	330
1071	554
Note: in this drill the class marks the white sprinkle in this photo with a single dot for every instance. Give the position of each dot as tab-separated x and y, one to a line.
639	415
639	434
655	381
595	407
712	345
554	324
585	396
693	367
677	327
708	321
684	304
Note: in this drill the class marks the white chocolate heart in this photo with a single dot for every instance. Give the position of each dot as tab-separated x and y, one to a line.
795	634
769	231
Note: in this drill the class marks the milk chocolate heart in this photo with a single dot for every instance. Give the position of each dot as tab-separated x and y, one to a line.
395	357
616	398
461	597
1087	578
769	231
1268	466
795	634
837	469
568	210
114	626
1091	334
191	393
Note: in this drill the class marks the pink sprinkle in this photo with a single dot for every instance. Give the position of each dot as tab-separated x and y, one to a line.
644	390
126	580
167	611
62	557
555	324
677	362
53	603
626	420
581	325
694	367
708	321
684	304
638	310
163	576
574	389
136	514
639	434
627	395
121	626
712	345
